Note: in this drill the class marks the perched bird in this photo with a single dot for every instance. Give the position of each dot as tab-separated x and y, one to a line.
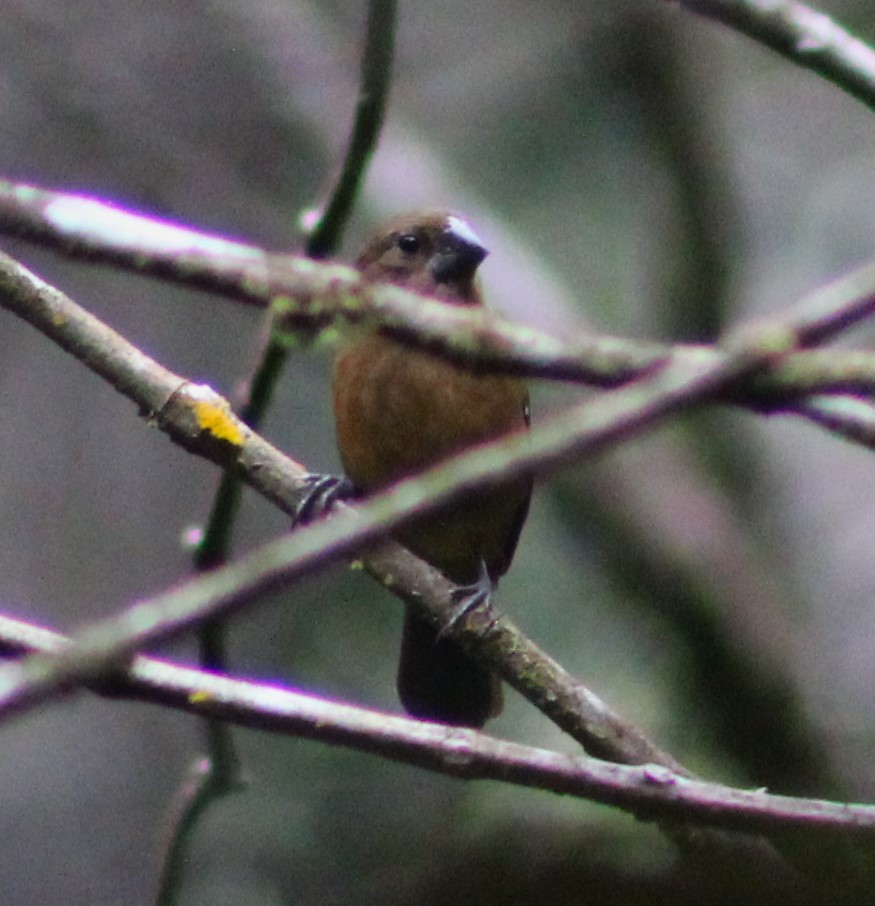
397	411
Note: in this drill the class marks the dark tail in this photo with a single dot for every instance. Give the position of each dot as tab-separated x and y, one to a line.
437	681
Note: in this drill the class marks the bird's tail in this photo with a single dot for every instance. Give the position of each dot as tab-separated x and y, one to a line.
437	681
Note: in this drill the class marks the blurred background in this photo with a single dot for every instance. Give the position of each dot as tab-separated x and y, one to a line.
632	168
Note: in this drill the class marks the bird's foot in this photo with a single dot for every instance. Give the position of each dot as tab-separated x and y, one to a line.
467	598
323	491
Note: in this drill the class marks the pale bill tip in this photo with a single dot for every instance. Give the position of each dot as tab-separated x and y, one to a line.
462	229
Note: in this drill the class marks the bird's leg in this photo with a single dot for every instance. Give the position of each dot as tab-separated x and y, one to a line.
323	491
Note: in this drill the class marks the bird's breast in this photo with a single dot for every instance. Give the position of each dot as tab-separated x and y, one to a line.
398	411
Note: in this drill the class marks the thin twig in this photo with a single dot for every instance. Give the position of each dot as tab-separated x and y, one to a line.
374	85
219	773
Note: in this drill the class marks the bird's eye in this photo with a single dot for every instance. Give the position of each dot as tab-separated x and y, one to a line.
409	243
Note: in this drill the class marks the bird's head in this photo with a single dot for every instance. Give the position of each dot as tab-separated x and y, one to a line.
433	253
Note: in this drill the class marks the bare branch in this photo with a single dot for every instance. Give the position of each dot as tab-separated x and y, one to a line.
309	296
853	418
805	36
649	791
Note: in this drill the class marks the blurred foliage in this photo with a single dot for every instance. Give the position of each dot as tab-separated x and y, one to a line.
635	168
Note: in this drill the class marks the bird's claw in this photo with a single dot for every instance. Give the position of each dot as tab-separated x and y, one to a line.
323	491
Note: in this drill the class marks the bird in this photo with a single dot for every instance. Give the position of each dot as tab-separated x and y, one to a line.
399	410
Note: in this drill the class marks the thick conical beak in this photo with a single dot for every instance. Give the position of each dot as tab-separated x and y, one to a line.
459	254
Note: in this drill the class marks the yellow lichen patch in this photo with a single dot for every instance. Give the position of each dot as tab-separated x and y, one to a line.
215	416
200	697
